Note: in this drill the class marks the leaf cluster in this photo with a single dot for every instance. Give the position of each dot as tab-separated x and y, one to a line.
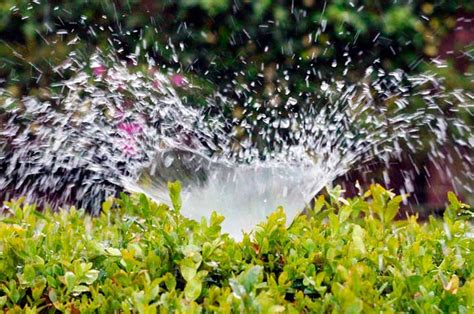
345	255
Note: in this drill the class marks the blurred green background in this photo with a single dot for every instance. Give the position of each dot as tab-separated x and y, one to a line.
227	38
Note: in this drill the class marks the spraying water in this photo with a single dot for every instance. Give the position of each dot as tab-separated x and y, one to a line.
120	128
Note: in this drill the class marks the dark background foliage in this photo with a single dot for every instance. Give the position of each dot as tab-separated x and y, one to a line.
217	35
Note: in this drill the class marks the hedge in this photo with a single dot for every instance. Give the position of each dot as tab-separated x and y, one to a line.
345	255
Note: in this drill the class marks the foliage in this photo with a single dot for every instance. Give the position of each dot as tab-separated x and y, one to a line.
223	38
347	255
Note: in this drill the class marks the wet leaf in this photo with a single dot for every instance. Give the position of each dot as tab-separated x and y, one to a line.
69	279
392	208
175	194
193	289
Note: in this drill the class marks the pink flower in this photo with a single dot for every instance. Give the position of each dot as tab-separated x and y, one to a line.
129	131
130	128
99	70
178	80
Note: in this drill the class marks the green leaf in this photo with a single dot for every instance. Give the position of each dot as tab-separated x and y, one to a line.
283	278
154	289
38	289
69	279
453	199
29	273
277	309
113	251
455	206
344	213
91	276
354	307
216	219
170	281
251	277
335	194
3	301
392	208
188	269
358	235
80	289
378	196
145	205
175	194
333	223
52	295
107	205
413	283
193	289
318	205
237	288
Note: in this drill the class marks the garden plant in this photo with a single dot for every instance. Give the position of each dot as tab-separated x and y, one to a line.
344	256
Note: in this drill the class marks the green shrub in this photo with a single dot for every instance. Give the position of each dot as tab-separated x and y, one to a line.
346	256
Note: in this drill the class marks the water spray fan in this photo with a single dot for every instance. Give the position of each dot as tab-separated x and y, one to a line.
118	129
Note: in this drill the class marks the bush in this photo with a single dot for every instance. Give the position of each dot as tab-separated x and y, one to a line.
346	255
38	35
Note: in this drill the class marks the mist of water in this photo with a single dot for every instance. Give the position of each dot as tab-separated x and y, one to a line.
122	128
